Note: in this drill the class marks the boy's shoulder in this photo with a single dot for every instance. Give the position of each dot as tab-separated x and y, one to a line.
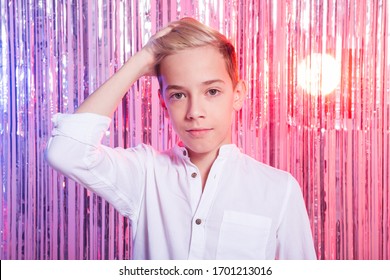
261	170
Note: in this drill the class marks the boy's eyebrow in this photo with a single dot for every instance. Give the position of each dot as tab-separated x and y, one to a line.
213	81
175	87
208	82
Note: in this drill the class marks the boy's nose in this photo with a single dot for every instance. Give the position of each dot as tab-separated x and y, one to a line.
195	110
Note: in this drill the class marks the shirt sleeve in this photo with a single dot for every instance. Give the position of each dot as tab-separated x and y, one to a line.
115	174
294	236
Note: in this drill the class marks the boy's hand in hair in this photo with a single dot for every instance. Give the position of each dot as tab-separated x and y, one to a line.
148	51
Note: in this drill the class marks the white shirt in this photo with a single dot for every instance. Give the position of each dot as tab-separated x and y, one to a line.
248	210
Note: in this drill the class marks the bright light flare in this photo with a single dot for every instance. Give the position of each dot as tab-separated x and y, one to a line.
319	74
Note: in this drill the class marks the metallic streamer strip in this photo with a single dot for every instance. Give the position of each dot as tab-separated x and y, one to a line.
53	54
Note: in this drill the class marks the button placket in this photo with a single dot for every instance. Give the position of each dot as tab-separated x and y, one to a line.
195	186
199	224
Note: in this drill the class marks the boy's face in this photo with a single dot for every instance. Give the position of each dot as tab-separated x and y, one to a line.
198	94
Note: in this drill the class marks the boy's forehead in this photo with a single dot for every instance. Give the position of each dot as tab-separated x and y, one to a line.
195	64
203	53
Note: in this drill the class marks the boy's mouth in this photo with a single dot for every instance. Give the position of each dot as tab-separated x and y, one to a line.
198	132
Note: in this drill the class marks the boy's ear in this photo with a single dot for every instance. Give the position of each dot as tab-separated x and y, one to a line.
239	95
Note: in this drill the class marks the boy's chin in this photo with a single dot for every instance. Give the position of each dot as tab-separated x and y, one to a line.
201	149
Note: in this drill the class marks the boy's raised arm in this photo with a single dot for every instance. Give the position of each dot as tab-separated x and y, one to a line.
73	148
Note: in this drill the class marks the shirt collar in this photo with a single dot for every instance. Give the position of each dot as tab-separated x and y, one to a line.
225	150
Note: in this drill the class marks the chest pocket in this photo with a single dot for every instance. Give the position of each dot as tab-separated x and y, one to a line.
243	236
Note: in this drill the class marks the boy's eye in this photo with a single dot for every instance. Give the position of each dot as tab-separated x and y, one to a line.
177	95
213	91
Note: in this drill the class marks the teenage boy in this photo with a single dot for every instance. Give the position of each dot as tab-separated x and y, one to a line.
203	198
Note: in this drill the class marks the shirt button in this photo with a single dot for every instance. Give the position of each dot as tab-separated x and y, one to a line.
184	153
198	221
193	175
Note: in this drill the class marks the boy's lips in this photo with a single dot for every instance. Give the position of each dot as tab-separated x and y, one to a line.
198	132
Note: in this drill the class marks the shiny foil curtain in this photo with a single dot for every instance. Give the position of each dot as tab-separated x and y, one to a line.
53	54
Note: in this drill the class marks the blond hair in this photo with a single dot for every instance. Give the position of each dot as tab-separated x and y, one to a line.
190	33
